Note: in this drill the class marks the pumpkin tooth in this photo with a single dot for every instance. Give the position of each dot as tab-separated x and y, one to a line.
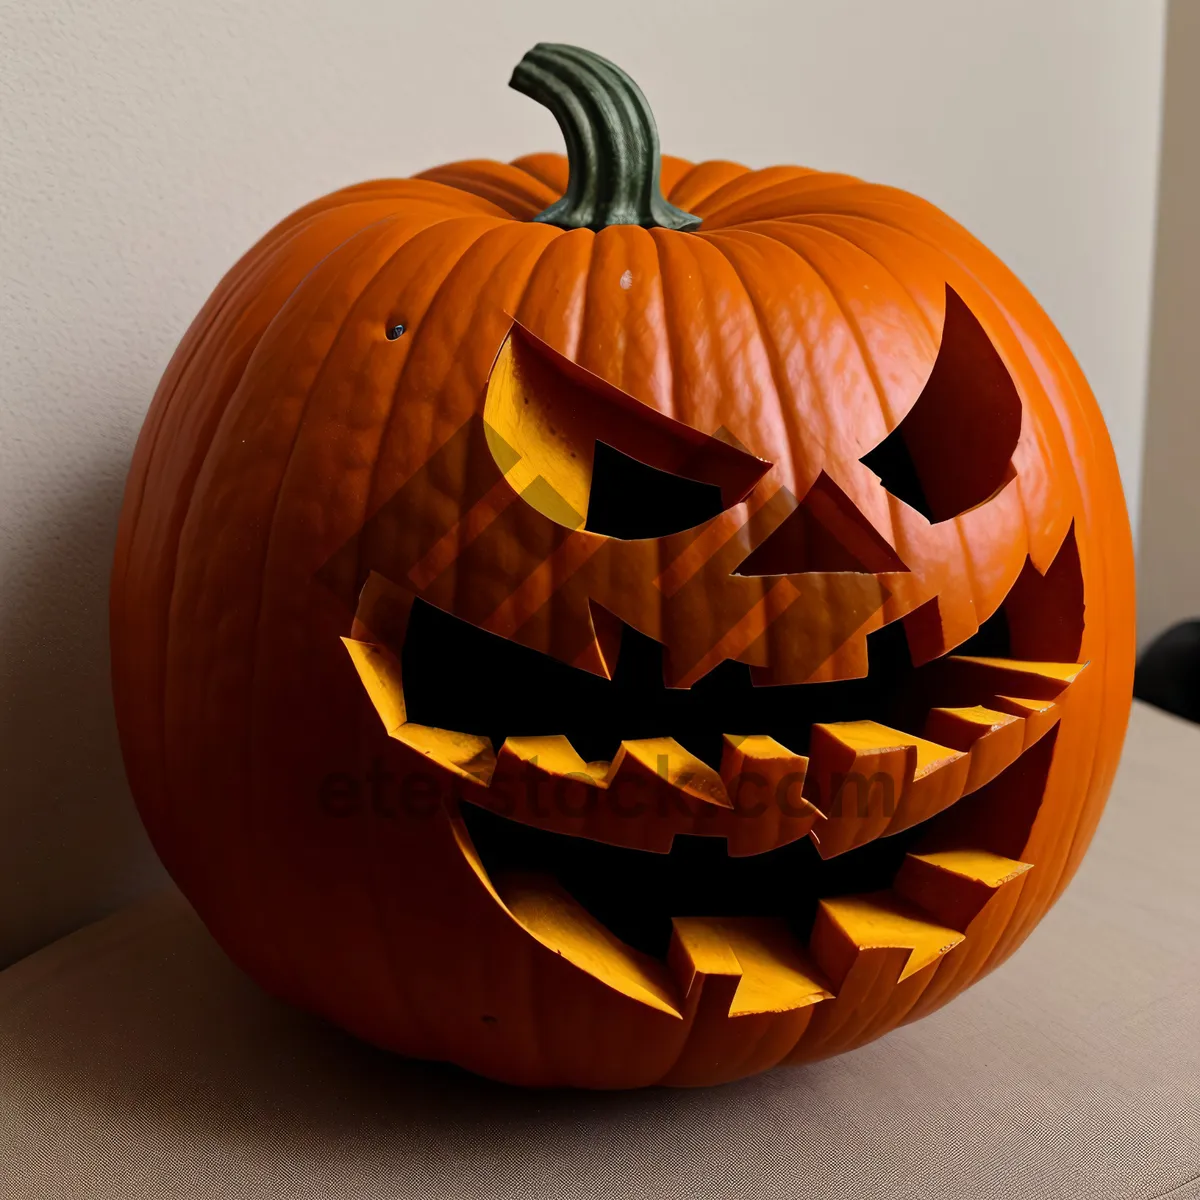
1037	680
379	671
740	966
876	948
867	779
735	971
993	739
463	754
651	790
660	777
765	783
551	915
543	781
1040	716
880	926
953	886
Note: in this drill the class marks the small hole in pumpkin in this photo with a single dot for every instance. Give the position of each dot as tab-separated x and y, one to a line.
395	331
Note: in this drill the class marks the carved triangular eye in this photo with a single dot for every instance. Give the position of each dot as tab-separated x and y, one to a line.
587	455
954	448
825	532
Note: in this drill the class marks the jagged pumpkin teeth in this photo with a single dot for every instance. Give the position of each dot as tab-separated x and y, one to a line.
667	763
743	966
765	781
1036	680
652	790
954	885
1040	716
878	924
463	754
552	754
556	919
862	780
993	739
867	779
379	670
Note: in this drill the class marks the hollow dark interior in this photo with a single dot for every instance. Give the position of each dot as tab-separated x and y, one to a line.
631	499
460	677
635	893
893	463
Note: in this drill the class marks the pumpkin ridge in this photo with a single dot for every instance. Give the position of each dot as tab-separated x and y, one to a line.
533	303
671	170
519	235
248	269
1115	663
783	388
334	343
896	530
486	179
398	193
789	411
385	425
253	768
812	221
851	322
896	527
529	163
253	274
749	183
246	814
669	348
799	191
680	189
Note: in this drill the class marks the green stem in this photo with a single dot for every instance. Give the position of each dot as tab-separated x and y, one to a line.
612	141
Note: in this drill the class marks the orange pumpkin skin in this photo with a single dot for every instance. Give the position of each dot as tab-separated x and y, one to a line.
804	315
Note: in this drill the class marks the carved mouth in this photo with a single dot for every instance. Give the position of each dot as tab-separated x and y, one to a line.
656	836
883	811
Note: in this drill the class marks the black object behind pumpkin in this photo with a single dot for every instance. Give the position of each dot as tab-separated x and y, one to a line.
1168	672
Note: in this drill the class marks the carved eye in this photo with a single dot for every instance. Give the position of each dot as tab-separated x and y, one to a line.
953	451
630	499
586	455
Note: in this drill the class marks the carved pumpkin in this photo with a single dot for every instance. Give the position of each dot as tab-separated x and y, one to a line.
612	639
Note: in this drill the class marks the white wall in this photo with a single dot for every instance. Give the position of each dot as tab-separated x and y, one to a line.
143	145
1168	562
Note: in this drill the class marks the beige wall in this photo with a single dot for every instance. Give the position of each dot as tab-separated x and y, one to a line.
1169	541
145	144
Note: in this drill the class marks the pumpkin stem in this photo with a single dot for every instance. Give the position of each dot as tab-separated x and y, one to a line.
612	141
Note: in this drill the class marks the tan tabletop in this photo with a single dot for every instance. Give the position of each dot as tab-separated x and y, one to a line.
136	1062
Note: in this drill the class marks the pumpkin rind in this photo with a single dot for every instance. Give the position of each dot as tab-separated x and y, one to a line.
804	315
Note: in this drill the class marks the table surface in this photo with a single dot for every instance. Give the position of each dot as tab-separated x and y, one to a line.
136	1061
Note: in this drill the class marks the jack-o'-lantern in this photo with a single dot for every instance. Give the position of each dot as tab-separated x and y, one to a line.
599	638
